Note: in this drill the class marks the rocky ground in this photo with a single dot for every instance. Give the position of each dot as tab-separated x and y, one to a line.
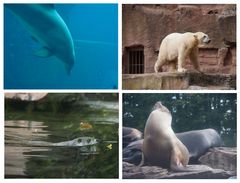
217	163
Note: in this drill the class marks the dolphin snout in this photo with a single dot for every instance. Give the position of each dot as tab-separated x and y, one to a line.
69	68
69	63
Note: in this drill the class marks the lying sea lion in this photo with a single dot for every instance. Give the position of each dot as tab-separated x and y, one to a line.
130	135
133	152
197	142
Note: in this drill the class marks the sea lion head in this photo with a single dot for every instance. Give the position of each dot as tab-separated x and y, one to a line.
159	106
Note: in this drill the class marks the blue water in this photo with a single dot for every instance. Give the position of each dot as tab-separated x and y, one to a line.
94	28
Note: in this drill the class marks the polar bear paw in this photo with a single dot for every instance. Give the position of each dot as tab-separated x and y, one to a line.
182	70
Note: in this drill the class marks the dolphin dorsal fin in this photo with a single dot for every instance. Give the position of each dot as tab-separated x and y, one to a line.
43	52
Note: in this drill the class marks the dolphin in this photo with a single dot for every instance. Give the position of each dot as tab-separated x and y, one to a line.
48	28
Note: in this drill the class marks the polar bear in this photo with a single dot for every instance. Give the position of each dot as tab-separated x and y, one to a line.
176	47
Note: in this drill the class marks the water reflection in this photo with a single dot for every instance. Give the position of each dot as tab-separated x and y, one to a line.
102	105
17	133
20	130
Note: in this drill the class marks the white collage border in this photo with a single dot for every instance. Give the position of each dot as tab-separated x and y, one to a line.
119	90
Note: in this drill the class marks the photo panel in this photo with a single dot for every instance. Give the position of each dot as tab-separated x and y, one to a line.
61	135
179	136
60	46
179	46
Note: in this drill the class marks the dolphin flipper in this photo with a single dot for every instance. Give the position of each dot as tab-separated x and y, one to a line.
43	52
69	69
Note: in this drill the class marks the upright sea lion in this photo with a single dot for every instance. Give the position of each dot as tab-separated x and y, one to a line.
161	146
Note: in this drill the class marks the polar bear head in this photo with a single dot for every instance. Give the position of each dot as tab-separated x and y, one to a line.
202	38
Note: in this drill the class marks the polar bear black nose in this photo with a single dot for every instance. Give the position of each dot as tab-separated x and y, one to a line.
209	41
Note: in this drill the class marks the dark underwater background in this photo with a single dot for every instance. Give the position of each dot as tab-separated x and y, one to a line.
94	28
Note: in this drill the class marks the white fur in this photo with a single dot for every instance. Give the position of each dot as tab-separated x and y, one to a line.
176	47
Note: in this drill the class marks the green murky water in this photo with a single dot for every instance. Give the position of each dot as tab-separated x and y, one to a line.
31	138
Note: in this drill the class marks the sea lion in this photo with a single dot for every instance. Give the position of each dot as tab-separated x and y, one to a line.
133	152
197	142
161	147
130	135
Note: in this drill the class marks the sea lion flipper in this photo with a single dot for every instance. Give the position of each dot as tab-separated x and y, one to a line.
179	169
176	163
177	166
182	169
142	161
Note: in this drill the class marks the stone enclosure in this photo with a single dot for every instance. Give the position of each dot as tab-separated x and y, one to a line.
217	163
144	27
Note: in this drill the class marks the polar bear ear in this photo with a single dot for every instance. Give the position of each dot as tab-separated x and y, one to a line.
195	36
